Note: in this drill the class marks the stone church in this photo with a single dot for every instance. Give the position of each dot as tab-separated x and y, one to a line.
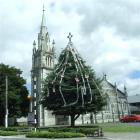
43	59
117	103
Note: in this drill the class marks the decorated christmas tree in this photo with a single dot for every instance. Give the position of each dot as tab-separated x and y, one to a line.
72	87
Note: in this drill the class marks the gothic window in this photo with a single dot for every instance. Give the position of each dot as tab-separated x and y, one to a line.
49	61
108	102
34	86
35	78
35	94
46	61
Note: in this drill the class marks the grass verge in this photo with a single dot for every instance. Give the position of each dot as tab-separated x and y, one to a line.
120	127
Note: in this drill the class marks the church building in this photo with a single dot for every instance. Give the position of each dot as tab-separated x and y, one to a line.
43	59
117	103
42	64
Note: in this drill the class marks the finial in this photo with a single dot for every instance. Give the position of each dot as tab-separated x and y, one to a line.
53	42
124	88
42	38
104	76
69	37
43	8
125	91
34	43
115	84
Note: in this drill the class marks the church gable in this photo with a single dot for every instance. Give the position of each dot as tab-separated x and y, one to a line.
111	89
108	89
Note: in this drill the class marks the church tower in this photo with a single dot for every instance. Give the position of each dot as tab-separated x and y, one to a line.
42	64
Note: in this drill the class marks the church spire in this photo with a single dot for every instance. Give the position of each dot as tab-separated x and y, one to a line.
43	22
43	36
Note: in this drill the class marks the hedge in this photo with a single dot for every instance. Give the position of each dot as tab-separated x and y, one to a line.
12	128
83	130
46	134
8	133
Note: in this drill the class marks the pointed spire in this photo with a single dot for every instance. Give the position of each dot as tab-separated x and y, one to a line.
34	43
115	85
43	22
116	90
34	47
53	43
43	28
125	91
124	88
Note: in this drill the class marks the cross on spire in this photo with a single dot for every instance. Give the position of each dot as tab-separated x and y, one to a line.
69	37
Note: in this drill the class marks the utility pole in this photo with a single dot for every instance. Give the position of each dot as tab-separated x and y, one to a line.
6	102
35	104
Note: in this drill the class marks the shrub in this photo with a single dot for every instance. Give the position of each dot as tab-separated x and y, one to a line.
46	134
87	131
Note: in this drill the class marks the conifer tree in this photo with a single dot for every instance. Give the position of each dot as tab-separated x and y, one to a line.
72	88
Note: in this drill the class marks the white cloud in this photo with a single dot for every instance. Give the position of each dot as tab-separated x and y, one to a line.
106	34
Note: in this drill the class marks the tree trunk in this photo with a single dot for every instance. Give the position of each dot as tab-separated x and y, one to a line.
72	120
91	118
95	118
82	119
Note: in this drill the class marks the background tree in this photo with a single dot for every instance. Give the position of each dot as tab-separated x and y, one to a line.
72	87
18	103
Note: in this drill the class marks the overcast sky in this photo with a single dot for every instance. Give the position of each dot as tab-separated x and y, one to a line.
105	32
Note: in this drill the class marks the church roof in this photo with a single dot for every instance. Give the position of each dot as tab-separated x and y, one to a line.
120	93
117	88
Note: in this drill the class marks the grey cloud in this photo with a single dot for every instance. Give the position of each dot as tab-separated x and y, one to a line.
122	15
20	25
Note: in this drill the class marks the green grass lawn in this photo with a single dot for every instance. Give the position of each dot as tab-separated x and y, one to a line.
107	127
120	127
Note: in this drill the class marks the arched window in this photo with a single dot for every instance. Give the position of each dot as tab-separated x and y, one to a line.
108	102
49	61
46	61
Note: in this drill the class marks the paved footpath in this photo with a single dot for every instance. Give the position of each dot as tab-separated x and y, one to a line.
123	136
23	138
